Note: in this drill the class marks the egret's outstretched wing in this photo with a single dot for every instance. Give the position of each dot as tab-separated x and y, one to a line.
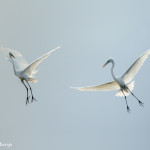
103	87
31	69
131	72
19	62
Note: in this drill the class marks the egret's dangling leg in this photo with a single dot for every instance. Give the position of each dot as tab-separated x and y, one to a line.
128	109
27	101
31	92
141	104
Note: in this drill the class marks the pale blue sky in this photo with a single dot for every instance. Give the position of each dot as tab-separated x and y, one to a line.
89	32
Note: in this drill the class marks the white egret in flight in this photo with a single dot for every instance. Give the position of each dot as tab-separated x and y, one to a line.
123	84
23	70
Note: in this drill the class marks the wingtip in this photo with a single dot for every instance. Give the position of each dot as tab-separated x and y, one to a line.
55	49
76	88
72	87
58	47
2	48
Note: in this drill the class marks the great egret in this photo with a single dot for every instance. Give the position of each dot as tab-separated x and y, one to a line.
23	70
123	84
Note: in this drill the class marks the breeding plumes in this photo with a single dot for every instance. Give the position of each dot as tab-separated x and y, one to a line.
23	70
123	84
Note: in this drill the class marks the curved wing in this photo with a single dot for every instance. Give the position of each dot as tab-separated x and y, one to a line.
103	87
131	72
19	62
31	69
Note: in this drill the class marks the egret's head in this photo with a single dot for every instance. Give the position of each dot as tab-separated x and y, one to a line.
111	60
11	55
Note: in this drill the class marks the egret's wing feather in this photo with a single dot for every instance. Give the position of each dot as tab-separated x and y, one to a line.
31	69
131	72
19	62
103	87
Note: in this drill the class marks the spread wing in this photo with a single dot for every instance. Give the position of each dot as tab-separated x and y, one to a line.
103	87
132	71
31	69
19	62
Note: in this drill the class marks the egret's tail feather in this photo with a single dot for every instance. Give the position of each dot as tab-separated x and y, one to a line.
126	93
131	85
33	80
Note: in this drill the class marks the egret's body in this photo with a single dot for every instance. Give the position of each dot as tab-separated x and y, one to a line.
25	71
123	84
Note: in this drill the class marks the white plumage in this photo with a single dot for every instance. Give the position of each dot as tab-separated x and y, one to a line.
126	93
135	67
103	87
22	69
124	84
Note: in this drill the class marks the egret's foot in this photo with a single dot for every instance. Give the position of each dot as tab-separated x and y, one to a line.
128	109
141	104
27	101
33	99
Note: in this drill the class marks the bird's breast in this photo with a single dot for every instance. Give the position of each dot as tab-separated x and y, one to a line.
121	83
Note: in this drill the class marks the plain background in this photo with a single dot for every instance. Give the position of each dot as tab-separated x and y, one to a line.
89	32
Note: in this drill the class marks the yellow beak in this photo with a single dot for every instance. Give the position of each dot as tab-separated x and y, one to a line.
105	64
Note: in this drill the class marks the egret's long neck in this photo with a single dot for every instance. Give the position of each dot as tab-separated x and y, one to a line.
112	70
13	65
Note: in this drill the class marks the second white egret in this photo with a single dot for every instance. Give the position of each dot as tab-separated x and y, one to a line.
123	84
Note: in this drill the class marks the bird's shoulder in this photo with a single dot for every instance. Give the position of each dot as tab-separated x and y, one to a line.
120	80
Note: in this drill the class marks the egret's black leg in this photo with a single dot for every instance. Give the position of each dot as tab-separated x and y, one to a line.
31	93
128	109
141	104
27	100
